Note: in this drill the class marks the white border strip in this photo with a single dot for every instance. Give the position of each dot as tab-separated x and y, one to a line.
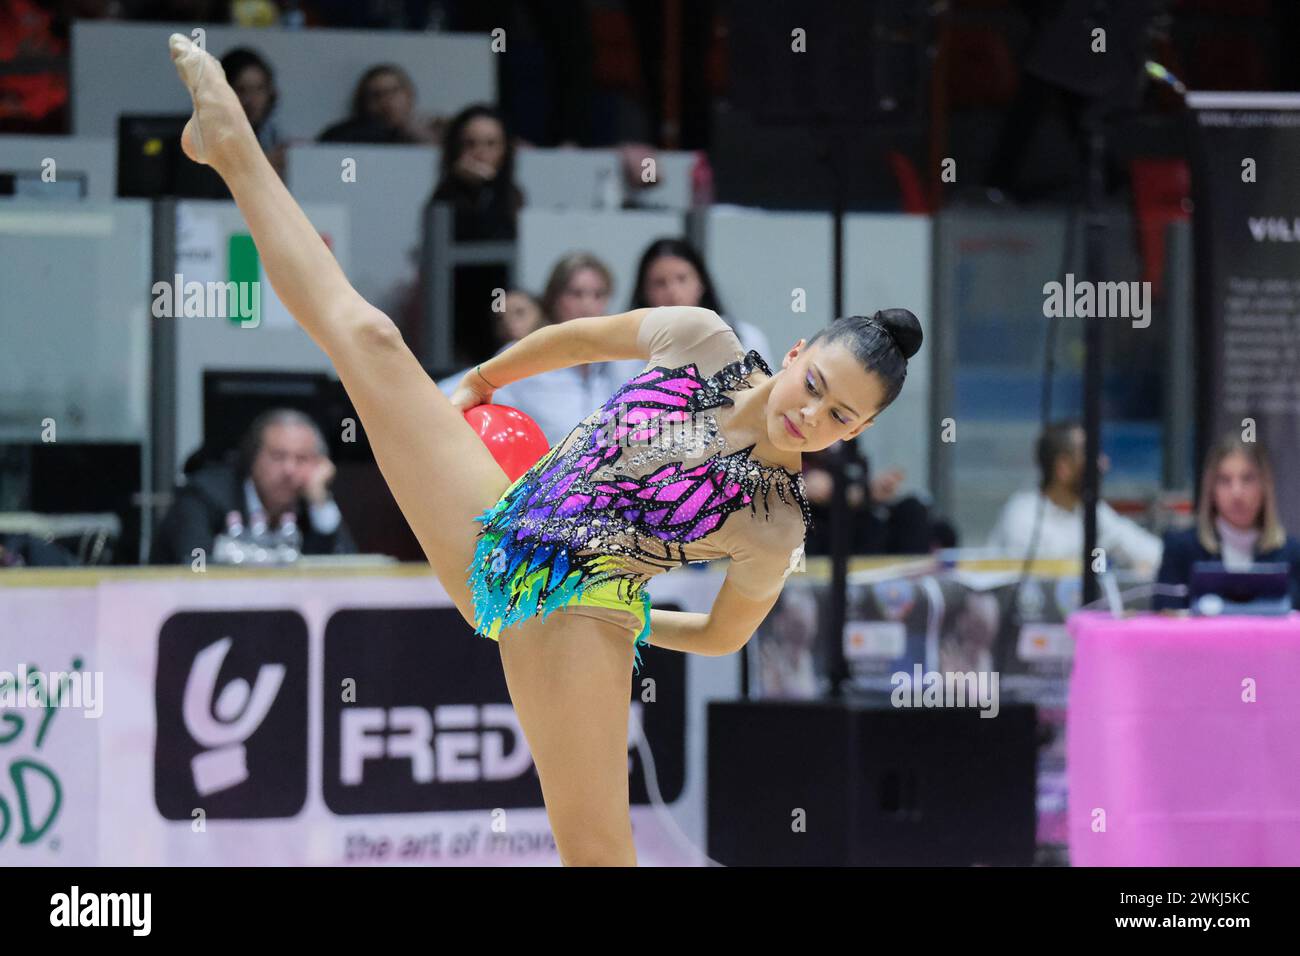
1243	101
54	220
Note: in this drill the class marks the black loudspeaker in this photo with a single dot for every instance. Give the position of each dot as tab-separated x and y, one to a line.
873	785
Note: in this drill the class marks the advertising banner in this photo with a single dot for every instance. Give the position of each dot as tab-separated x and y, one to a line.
1246	229
299	720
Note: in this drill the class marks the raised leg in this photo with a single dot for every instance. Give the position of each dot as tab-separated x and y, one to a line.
568	677
437	468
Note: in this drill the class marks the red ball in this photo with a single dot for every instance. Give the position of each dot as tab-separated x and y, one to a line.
514	439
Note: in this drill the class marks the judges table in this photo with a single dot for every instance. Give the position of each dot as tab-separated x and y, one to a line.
1183	741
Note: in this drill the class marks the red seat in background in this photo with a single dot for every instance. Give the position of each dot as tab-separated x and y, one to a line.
1160	196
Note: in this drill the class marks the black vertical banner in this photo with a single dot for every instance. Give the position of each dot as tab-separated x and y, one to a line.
1246	227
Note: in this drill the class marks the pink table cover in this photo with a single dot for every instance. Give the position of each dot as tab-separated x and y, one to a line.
1158	736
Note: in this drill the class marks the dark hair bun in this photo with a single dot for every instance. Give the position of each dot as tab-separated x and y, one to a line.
904	328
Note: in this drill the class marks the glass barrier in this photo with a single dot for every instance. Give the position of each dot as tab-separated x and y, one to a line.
74	321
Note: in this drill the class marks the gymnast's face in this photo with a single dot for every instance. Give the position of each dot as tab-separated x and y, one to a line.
825	393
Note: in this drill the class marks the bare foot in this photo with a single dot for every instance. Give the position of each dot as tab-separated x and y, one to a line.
214	132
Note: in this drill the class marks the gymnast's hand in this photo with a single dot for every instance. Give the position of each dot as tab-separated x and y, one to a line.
472	390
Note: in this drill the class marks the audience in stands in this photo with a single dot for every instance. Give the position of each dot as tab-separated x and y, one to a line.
477	175
20	550
383	111
520	315
477	181
253	81
1061	461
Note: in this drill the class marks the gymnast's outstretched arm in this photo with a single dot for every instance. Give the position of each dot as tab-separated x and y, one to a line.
576	342
725	629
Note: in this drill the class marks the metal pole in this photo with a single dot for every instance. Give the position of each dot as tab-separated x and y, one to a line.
840	537
1094	255
158	459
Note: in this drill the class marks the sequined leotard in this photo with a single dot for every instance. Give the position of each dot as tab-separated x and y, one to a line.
649	481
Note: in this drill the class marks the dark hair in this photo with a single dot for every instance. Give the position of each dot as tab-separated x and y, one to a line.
1055	441
240	59
359	92
882	343
453	142
251	445
681	249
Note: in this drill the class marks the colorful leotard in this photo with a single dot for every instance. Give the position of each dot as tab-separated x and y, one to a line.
649	481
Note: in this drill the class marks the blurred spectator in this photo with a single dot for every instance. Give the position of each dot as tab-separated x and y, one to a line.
672	272
28	551
253	81
477	180
522	314
282	468
580	285
1061	461
1237	521
477	177
632	161
383	111
880	524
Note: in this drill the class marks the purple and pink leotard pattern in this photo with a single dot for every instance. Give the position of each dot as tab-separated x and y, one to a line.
561	531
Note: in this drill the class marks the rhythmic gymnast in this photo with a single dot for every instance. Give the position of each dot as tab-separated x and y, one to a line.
694	458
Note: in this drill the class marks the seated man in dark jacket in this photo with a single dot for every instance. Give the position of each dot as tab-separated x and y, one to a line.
282	468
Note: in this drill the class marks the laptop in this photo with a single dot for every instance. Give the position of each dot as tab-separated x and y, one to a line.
1261	588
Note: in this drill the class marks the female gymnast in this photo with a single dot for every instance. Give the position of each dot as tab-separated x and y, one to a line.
697	457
